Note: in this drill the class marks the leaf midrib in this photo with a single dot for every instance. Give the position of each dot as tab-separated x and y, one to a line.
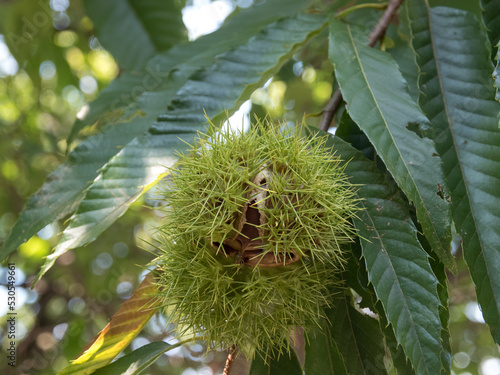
453	138
419	196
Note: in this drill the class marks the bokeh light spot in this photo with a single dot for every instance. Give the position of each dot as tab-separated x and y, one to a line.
47	70
309	75
461	360
490	366
473	312
87	24
75	59
60	20
59	5
46	232
10	170
322	92
45	341
88	85
65	39
9	112
103	65
205	370
35	247
189	371
73	96
205	16
56	306
120	249
104	260
8	64
59	331
124	289
76	305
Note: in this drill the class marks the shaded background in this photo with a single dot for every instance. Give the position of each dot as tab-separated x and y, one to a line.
44	82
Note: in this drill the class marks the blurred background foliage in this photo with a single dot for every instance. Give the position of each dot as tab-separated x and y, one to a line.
51	64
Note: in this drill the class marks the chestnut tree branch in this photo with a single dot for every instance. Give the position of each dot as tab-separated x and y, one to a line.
377	33
230	360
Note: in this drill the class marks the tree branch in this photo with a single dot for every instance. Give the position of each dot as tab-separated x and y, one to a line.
330	110
230	360
377	33
384	21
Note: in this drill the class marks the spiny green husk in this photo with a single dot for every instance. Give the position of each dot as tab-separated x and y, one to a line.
228	303
252	235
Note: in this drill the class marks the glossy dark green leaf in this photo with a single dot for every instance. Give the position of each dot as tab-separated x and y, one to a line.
400	363
378	101
459	98
351	133
136	30
491	18
496	75
285	364
402	52
209	92
137	361
358	337
444	315
142	90
322	353
397	265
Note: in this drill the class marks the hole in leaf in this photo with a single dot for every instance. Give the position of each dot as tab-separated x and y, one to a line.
417	128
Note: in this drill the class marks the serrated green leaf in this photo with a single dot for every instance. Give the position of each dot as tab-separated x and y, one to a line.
358	337
444	315
136	30
322	353
400	363
224	86
356	277
351	133
148	93
397	265
496	76
459	100
286	364
139	360
402	52
491	19
142	90
378	101
65	187
401	275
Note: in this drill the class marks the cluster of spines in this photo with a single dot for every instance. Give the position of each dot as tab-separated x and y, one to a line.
309	202
230	304
308	206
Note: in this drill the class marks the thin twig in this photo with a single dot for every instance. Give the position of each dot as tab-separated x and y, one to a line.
230	360
377	33
330	110
384	21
